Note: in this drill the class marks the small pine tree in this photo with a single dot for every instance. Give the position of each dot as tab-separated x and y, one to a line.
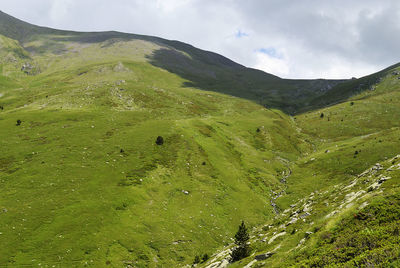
160	140
241	250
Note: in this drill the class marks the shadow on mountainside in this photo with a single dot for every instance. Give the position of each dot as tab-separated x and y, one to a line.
212	72
205	70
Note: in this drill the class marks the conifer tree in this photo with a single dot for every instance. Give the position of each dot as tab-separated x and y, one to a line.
242	248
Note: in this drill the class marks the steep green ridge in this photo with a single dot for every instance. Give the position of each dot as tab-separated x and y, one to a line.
83	183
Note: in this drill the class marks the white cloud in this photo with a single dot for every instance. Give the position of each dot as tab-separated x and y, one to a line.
59	11
272	65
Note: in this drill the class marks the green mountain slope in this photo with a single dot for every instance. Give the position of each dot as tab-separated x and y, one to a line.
82	179
339	206
83	182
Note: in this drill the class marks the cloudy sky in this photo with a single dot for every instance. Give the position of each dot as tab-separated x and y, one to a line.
289	38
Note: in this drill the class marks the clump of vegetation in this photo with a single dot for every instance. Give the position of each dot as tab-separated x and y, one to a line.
160	140
368	238
205	257
200	259
242	249
19	122
196	259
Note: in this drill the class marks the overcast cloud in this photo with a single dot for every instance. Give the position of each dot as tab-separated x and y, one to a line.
295	39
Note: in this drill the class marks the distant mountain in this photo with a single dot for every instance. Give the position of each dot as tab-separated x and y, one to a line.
203	69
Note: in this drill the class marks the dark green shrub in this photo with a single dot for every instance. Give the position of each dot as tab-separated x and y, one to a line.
205	257
196	259
241	250
160	140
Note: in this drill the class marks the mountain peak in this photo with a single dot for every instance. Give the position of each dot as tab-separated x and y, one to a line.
20	30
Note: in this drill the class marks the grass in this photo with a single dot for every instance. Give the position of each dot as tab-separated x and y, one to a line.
74	198
83	183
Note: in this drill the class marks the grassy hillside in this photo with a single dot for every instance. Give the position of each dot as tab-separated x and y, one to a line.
340	207
83	182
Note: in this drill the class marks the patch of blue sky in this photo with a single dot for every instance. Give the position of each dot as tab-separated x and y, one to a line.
271	51
241	34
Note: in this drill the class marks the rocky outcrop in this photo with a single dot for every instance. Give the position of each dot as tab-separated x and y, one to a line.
30	69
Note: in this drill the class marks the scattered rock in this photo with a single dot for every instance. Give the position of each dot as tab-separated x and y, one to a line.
26	67
29	69
250	264
383	179
301	242
264	256
302	216
307	235
219	264
275	237
120	82
121	68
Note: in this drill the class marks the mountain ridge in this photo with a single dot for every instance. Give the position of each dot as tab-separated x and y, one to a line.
249	83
